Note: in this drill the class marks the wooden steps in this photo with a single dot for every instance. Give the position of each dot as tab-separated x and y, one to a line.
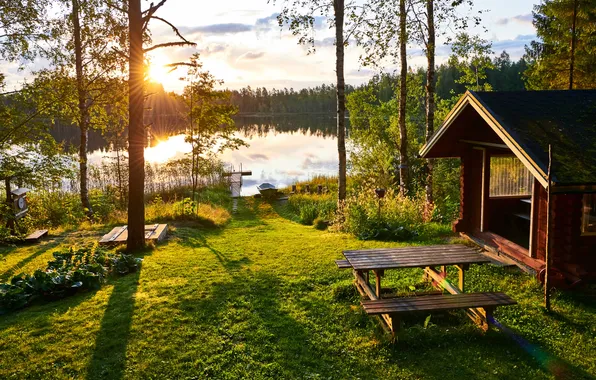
119	235
35	236
436	303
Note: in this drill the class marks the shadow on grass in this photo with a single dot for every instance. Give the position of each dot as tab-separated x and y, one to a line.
253	310
38	252
109	356
199	240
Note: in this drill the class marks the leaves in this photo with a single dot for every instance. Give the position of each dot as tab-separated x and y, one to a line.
75	270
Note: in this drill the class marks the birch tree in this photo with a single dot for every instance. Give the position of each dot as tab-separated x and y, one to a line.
300	16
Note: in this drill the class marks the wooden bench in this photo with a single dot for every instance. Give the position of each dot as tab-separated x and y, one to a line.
342	264
394	307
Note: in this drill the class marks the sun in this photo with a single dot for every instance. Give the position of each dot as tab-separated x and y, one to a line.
158	71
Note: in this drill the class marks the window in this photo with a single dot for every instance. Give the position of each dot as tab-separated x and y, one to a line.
509	177
589	217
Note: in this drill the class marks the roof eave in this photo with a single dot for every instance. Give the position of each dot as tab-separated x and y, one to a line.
493	121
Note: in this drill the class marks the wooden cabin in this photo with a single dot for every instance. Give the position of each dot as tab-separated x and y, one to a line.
502	140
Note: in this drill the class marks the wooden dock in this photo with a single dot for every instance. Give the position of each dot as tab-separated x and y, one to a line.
119	235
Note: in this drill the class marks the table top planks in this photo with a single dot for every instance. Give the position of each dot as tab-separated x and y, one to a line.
412	257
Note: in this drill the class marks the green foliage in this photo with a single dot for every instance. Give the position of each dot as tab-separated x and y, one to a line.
550	56
397	218
320	224
186	209
471	56
308	207
70	271
212	128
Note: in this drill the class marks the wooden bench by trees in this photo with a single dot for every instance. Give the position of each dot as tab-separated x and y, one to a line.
485	303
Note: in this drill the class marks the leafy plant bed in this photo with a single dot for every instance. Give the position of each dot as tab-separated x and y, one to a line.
71	271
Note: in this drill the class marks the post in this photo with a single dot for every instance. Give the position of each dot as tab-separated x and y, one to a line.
378	283
462	272
548	222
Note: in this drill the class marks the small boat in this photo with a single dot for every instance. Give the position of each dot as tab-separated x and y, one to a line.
267	190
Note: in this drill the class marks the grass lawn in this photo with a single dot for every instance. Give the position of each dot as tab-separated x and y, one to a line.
262	298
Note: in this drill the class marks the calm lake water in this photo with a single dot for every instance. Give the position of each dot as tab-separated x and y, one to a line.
281	151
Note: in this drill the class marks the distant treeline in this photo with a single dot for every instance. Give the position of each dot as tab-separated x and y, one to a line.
320	99
506	76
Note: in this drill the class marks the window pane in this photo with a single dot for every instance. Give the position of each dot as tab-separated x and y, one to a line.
509	177
589	219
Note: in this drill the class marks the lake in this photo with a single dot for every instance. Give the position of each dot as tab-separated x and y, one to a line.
281	151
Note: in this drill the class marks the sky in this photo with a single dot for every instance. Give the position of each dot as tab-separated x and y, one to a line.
241	43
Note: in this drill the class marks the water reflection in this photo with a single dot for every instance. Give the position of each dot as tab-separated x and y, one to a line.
282	150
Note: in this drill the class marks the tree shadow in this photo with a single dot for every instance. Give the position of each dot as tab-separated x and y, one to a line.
199	240
40	251
250	311
109	356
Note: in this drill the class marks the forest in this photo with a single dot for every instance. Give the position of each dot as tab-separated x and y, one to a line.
503	75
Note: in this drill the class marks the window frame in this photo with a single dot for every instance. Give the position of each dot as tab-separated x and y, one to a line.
585	214
515	196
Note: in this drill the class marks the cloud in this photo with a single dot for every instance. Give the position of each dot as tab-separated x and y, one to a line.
266	24
217	29
258	156
521	19
213	49
250	55
271	22
361	73
518	43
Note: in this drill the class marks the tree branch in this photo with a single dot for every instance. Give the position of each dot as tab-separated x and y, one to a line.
168	44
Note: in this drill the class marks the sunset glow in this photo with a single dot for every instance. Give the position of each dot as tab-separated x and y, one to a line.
172	148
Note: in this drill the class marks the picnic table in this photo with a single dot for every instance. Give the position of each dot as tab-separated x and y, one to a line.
479	305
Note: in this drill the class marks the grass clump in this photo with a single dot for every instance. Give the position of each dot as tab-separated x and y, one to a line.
188	210
320	224
310	207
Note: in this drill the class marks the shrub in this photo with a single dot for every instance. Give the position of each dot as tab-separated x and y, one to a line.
320	224
308	213
398	218
309	207
186	209
68	273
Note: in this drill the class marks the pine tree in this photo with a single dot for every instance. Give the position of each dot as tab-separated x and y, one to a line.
566	56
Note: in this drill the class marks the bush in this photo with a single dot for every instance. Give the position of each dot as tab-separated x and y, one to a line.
186	209
320	224
308	213
397	219
310	207
68	273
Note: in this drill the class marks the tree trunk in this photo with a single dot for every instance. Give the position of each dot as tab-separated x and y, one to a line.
83	109
136	134
573	41
403	132
338	6
430	97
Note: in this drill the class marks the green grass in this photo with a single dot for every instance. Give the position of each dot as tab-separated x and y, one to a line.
262	298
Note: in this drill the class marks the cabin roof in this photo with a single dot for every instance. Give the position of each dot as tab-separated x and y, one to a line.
528	121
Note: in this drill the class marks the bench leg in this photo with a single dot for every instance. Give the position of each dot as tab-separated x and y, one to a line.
462	270
396	327
378	275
